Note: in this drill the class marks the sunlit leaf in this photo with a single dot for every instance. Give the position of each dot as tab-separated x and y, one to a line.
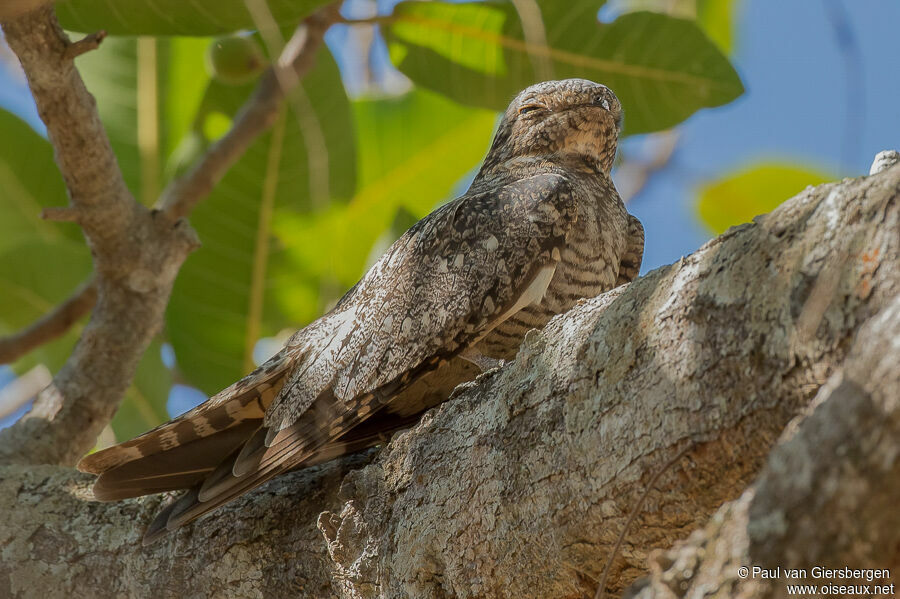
738	197
174	17
224	297
148	92
662	68
413	150
717	17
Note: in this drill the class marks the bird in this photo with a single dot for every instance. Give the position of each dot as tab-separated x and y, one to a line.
540	227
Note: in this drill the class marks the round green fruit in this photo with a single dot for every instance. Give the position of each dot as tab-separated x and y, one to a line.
235	59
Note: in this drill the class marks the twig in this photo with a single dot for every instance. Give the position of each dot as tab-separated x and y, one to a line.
633	175
86	44
256	116
68	214
601	589
137	252
50	326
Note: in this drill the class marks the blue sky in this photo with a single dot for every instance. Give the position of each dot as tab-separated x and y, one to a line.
800	96
794	110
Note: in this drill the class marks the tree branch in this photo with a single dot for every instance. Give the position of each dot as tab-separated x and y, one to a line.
50	326
136	256
137	252
86	44
827	496
520	484
255	117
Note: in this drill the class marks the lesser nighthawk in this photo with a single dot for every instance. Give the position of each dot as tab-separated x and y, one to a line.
540	227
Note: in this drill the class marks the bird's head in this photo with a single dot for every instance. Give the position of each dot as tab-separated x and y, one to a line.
571	118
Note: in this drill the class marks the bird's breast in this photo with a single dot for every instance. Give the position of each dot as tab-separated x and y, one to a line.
588	266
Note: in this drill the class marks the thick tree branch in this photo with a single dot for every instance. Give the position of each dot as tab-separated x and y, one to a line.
10	9
255	117
827	496
50	326
136	256
520	484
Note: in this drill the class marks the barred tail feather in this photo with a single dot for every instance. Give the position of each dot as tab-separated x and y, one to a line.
177	453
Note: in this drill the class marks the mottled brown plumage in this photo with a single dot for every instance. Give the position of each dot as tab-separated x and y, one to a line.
540	227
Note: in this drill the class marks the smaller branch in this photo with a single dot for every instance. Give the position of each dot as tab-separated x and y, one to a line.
85	44
257	115
20	391
634	175
854	80
136	257
68	214
373	20
50	326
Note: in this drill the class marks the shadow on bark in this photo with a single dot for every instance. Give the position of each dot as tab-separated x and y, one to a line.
520	484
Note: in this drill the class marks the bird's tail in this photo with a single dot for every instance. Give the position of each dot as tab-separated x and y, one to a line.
183	451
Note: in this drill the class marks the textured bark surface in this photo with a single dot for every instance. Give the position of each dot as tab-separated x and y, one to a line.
520	484
827	496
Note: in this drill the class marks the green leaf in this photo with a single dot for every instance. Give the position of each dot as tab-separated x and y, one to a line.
224	297
737	198
29	181
148	92
144	406
662	68
175	17
183	80
716	17
36	275
413	150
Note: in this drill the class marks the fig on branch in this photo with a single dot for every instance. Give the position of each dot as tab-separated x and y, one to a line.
235	60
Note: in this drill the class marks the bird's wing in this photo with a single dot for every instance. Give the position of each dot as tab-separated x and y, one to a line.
442	286
630	263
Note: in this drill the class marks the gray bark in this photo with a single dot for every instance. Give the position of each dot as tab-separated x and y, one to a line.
826	498
520	484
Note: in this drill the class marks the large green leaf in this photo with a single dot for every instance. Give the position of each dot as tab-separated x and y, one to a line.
174	17
224	298
413	149
148	92
29	181
738	197
662	68
41	262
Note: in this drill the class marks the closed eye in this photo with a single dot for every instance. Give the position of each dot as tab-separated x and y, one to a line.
531	108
